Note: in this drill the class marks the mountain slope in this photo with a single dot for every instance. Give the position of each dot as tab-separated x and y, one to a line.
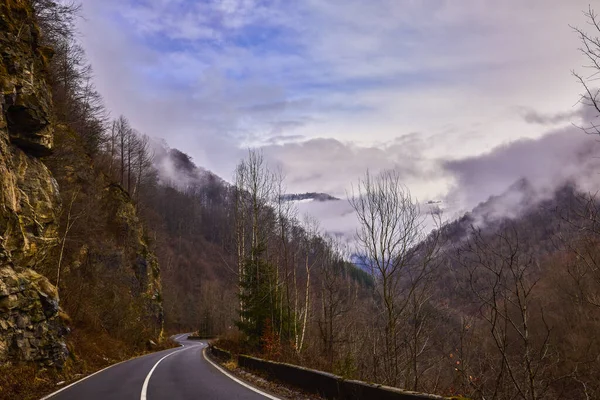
517	287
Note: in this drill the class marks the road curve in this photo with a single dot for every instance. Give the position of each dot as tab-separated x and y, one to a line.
176	374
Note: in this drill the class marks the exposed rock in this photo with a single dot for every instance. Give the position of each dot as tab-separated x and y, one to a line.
30	328
26	97
29	202
117	257
129	231
29	198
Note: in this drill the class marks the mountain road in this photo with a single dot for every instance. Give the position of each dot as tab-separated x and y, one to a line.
183	373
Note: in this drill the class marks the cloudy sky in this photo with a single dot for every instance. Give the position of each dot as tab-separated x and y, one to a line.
450	93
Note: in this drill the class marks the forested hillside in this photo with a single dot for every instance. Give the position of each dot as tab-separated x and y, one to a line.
492	305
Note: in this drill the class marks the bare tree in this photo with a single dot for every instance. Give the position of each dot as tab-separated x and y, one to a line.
590	49
240	212
111	146
503	276
286	214
143	159
311	258
123	135
584	269
391	227
338	297
421	315
71	219
56	19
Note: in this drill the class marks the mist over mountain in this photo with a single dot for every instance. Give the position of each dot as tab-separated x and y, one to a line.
312	196
177	169
561	155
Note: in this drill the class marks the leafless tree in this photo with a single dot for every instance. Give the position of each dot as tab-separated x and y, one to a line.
391	228
311	257
590	49
71	219
337	297
143	163
286	214
241	212
112	146
124	131
503	276
56	19
255	189
420	314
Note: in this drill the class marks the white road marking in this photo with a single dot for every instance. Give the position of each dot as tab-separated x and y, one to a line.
80	380
268	396
143	395
102	370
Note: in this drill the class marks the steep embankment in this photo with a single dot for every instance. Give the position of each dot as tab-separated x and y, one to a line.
30	328
109	275
83	244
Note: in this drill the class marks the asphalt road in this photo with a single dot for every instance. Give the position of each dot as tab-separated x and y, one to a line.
176	374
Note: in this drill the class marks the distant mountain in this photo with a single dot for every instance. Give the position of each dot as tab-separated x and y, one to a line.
305	197
176	169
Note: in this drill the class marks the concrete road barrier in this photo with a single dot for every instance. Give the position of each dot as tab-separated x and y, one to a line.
327	385
221	354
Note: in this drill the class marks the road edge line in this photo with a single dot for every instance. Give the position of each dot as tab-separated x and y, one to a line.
143	395
227	374
48	396
84	378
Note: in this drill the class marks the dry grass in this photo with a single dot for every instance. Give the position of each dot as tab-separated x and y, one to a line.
231	365
233	342
24	382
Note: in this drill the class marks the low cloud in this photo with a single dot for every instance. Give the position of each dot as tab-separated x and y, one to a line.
281	139
335	217
533	117
520	174
330	166
563	155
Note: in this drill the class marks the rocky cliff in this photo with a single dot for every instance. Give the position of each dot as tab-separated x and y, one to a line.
141	263
106	272
30	327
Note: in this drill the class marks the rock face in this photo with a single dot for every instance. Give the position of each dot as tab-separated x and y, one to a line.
129	230
111	260
30	328
26	98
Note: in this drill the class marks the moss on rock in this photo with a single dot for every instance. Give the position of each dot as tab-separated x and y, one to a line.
30	329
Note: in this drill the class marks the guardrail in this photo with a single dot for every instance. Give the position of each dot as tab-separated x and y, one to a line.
221	354
327	385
